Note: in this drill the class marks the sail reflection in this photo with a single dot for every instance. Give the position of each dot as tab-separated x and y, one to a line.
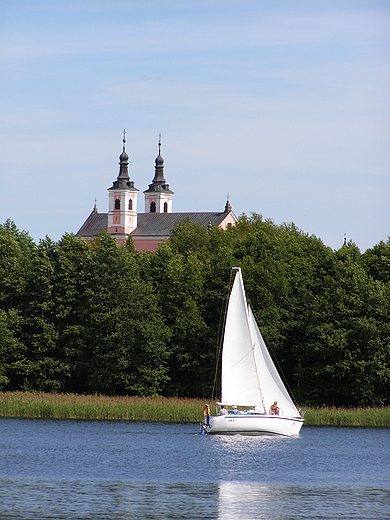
250	500
246	500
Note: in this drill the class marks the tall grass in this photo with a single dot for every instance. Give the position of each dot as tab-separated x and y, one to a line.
39	405
72	406
354	417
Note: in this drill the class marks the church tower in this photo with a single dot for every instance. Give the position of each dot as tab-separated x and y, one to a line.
158	197
122	201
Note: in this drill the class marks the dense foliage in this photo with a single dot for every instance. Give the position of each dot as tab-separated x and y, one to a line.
102	318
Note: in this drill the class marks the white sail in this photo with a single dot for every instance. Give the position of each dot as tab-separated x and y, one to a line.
249	376
240	381
272	387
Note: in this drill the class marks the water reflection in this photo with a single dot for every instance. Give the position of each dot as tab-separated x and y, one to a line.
186	500
80	499
244	500
65	469
253	500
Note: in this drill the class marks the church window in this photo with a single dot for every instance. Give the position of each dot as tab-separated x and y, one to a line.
165	207
153	207
117	204
130	204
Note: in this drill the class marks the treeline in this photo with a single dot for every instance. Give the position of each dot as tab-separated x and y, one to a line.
102	318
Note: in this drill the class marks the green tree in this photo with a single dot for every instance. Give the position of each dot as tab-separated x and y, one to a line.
126	334
72	294
178	281
45	364
376	261
348	354
15	252
12	353
26	296
103	318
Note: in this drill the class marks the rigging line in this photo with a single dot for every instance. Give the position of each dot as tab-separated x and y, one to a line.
224	307
246	355
218	353
219	332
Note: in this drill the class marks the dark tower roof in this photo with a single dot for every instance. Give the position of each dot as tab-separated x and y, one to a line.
159	168
158	182
123	179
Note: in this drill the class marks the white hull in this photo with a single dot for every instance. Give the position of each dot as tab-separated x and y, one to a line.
250	424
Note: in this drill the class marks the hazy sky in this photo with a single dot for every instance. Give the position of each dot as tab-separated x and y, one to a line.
282	104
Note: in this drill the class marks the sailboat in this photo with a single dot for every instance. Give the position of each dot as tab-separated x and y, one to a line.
250	383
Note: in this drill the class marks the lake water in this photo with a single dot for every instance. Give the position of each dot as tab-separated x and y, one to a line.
81	469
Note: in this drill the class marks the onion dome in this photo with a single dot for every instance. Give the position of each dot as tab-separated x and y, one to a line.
124	162
123	180
159	183
123	156
159	162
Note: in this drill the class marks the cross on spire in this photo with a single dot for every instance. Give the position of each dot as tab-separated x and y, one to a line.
227	205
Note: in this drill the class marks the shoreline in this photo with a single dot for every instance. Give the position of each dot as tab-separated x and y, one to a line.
40	405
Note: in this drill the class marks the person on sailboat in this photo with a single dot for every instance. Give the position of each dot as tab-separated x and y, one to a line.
274	410
206	414
223	411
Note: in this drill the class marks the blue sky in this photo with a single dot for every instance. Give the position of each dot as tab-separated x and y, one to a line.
283	105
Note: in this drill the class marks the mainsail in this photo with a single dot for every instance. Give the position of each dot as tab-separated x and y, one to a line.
249	376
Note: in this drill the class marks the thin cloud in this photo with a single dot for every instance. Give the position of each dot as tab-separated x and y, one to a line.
89	37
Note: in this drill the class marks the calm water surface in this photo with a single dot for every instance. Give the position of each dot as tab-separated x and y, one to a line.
80	469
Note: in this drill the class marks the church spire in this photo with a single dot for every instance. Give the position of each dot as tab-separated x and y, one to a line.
122	201
159	168
227	205
123	180
124	162
158	197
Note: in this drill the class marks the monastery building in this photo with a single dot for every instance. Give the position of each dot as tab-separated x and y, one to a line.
153	227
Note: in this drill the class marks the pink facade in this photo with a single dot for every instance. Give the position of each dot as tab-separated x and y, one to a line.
148	246
230	220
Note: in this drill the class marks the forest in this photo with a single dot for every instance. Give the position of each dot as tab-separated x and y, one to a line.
100	318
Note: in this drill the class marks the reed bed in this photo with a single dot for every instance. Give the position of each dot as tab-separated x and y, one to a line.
378	417
40	405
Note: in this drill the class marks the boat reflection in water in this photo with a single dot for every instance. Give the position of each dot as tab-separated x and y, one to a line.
248	500
245	500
